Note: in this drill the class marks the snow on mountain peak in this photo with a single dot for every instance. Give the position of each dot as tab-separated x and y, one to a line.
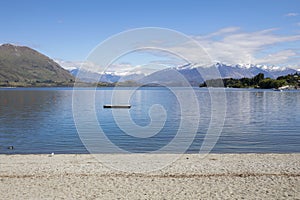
249	66
271	68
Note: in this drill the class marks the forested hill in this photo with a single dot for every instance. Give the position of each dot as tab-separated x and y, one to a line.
23	66
259	81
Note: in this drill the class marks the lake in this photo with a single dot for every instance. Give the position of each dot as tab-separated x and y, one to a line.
42	120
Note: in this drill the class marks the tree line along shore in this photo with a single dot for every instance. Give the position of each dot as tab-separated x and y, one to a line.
291	81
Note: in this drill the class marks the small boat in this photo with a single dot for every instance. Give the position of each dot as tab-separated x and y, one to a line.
116	106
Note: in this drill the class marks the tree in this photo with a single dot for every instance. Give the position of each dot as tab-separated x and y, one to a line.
259	77
271	83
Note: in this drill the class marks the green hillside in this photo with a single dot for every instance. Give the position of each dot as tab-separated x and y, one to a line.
22	66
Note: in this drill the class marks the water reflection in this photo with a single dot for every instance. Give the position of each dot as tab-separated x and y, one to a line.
264	121
41	120
138	120
37	121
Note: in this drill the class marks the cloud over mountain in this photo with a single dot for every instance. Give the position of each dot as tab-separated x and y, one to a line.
230	45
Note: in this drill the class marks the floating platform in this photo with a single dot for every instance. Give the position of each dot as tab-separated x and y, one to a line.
117	106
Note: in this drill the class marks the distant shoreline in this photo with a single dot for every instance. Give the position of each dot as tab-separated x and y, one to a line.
91	86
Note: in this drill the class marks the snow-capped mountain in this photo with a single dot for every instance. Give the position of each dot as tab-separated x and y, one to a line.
195	74
89	76
189	72
250	70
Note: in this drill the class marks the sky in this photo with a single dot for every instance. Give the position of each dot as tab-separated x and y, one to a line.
231	31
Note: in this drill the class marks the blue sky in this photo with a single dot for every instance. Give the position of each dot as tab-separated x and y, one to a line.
70	29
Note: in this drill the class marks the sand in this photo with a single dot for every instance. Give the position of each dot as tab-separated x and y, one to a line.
216	176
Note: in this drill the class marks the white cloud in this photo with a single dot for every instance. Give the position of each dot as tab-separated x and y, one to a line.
291	14
228	45
222	31
277	58
233	46
244	47
70	65
115	68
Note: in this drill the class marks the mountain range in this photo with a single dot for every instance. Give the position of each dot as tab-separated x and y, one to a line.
21	64
190	72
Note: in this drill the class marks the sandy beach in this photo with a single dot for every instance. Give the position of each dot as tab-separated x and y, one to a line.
216	176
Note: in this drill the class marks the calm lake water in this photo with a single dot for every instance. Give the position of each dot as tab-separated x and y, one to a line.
41	120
